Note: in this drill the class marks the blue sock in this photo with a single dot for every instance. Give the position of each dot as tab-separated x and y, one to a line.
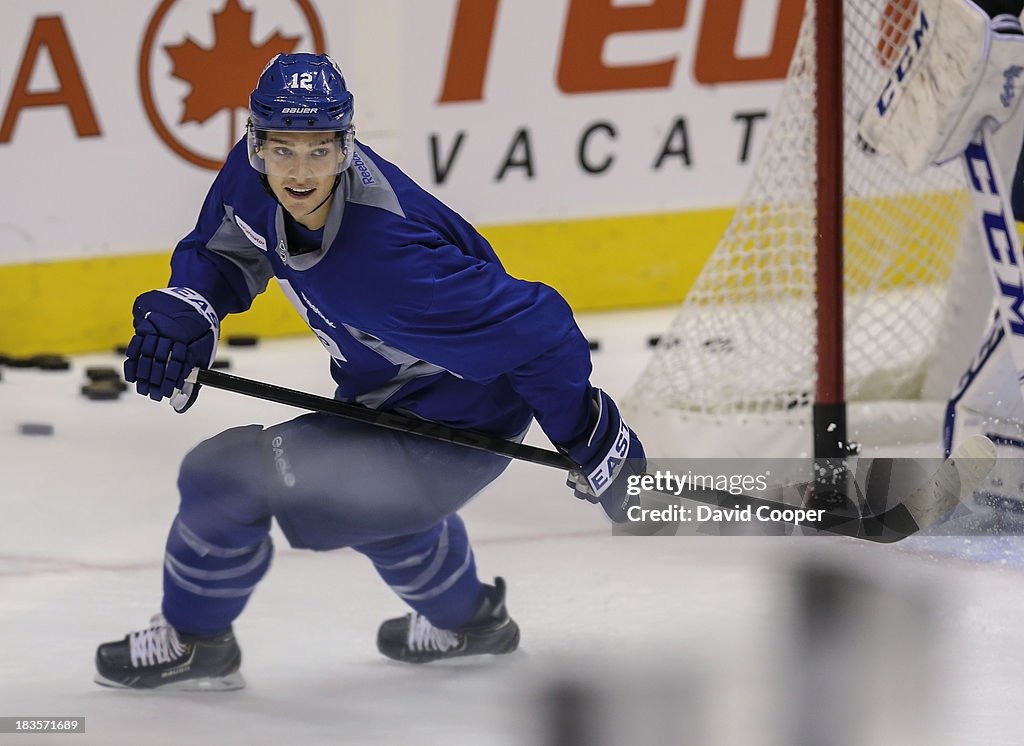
206	585
433	571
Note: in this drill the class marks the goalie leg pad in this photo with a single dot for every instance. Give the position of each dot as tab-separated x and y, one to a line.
987	391
988	402
958	69
1001	244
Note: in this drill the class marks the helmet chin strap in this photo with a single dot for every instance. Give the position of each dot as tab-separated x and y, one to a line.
266	185
334	188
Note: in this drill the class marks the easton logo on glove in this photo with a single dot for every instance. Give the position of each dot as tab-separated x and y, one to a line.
608	454
200	304
601	477
176	330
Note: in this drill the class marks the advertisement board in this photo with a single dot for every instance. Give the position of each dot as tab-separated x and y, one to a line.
599	144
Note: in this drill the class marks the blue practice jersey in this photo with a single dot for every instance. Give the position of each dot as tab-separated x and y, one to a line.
408	298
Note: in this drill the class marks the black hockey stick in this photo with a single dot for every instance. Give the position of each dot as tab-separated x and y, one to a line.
390	420
958	475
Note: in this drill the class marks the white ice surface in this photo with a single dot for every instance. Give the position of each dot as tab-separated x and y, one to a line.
85	514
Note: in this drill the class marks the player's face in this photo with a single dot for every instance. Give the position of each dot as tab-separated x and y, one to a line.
301	167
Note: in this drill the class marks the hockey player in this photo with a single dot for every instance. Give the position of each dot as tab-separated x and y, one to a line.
417	315
963	69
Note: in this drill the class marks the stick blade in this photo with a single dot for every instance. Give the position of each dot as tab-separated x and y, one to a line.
958	477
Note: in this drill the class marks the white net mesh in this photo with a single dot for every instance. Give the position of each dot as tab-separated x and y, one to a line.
743	342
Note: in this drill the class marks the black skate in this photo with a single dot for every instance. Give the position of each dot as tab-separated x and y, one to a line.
412	639
161	657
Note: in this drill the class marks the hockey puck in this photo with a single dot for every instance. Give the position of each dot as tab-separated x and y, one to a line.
103	390
221	364
21	362
241	340
35	428
51	362
659	340
718	344
121	350
593	344
103	373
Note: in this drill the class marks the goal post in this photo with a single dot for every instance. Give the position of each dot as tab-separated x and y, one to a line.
829	414
836	284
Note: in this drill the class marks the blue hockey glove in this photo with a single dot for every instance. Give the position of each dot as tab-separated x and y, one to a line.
176	330
608	454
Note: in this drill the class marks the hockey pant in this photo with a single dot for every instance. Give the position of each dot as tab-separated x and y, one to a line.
329	483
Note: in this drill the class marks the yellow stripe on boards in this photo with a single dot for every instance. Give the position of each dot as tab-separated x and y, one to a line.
609	263
84	305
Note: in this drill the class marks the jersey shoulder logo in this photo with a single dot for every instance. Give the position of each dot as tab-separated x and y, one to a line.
258	241
364	172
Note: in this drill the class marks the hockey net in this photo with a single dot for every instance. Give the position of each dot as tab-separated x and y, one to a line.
741	352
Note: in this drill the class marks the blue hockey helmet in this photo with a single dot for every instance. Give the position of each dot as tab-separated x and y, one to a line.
301	93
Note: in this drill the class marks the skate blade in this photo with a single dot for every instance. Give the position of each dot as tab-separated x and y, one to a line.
228	683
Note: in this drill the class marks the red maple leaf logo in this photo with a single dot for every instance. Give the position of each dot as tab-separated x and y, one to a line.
223	76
